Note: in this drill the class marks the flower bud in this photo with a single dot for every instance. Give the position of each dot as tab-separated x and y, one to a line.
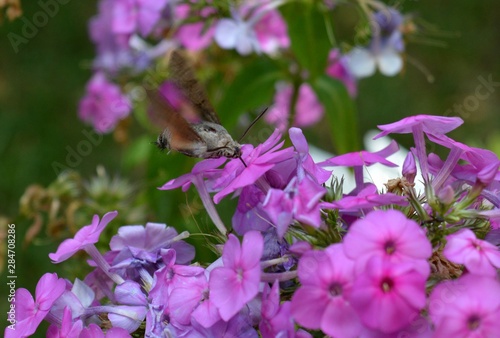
410	168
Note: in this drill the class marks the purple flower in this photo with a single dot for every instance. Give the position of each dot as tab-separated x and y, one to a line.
478	256
238	326
131	16
306	163
103	104
264	30
359	159
409	167
132	309
250	213
466	307
237	282
258	161
338	69
308	109
79	298
235	33
204	169
364	158
31	312
430	124
367	198
193	36
384	50
94	331
276	317
418	125
299	201
388	296
86	236
140	247
68	327
321	302
117	48
191	301
271	32
389	235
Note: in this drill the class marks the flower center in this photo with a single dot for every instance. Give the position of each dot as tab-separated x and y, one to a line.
390	247
387	284
473	322
335	289
239	274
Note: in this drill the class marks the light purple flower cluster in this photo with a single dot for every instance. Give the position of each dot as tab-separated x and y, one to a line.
367	264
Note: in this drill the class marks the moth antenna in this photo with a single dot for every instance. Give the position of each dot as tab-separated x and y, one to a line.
252	124
242	161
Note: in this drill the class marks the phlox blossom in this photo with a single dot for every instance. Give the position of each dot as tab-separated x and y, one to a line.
478	256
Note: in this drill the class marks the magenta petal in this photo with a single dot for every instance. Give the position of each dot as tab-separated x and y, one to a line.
308	306
340	320
251	249
224	292
232	252
206	314
435	125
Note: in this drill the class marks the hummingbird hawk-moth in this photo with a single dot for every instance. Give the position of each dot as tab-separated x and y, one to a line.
191	125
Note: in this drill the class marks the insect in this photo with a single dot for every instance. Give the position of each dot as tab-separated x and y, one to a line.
203	136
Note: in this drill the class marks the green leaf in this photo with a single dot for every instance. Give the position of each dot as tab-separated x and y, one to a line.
251	88
340	111
308	34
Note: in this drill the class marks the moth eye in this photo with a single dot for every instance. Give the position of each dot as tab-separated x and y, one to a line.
209	129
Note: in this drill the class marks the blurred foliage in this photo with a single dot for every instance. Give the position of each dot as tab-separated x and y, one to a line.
41	84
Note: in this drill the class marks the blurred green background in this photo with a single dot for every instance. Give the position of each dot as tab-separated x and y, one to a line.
41	84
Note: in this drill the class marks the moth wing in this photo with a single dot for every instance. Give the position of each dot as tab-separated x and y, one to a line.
182	137
182	75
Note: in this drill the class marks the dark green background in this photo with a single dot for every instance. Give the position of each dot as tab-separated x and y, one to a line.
41	84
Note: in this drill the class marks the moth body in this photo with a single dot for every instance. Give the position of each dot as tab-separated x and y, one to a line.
214	141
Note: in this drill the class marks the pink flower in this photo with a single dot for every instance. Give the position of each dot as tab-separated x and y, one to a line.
103	105
237	282
388	296
321	302
131	16
88	235
271	32
478	256
338	69
31	312
306	162
365	199
193	36
94	331
389	235
68	327
363	157
258	161
435	125
466	307
299	200
308	110
276	318
263	30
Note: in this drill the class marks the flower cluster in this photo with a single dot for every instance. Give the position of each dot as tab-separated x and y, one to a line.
308	257
131	36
